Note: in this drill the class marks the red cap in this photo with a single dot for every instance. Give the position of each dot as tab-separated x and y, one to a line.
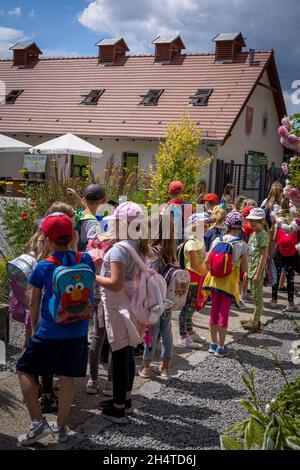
58	227
211	197
246	211
176	186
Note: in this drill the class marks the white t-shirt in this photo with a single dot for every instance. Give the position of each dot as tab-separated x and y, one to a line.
276	207
239	246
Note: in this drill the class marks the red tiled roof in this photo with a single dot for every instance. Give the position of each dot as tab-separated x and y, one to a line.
53	91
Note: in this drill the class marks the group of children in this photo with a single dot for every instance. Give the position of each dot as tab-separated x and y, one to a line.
225	249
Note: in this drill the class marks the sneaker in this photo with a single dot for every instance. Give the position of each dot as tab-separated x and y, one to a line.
138	352
144	372
39	432
61	433
292	308
49	405
221	352
129	410
197	338
189	343
108	389
253	326
162	372
274	305
92	387
212	348
243	306
115	415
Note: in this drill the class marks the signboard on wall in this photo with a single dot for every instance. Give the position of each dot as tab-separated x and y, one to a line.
35	163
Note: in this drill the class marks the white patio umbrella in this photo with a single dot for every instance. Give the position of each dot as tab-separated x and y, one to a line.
68	144
8	144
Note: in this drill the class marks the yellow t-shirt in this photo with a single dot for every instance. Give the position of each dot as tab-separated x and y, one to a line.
199	247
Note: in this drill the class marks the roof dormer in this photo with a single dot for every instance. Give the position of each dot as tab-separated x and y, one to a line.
228	46
25	54
166	47
110	50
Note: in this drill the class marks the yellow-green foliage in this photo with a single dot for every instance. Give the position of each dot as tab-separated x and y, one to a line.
177	159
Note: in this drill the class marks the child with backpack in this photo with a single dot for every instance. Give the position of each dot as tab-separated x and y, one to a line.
258	254
127	297
285	260
60	307
217	227
163	260
227	257
191	255
88	226
104	243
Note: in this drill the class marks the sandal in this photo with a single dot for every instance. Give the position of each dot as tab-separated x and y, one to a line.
254	326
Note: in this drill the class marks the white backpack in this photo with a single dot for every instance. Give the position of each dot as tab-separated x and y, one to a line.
178	282
149	299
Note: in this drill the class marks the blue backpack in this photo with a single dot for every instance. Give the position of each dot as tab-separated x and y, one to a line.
72	295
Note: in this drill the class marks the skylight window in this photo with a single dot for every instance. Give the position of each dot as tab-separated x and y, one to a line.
152	97
92	97
200	98
12	96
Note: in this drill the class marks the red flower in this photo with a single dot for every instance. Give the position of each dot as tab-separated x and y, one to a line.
23	214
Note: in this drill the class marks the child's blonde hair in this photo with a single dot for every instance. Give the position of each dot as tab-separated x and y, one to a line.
61	207
218	216
248	203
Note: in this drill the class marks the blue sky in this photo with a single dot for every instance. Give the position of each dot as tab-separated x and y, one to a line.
72	27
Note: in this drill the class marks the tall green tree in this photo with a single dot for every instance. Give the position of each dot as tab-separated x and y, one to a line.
177	159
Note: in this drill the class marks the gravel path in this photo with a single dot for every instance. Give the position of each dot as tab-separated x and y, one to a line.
195	408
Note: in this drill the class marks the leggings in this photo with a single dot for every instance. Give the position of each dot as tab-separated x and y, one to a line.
286	263
220	309
123	371
186	314
258	298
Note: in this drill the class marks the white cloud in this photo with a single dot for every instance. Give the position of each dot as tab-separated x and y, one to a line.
60	53
32	14
15	11
292	107
140	21
9	37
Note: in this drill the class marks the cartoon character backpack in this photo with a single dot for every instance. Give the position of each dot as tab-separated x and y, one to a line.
72	295
221	258
178	283
97	249
287	242
18	272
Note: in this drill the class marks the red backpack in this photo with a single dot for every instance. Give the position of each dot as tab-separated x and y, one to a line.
221	258
287	242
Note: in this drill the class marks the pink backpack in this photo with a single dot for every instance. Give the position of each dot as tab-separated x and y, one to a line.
148	300
97	249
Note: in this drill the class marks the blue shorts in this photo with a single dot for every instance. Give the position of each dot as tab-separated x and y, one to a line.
62	357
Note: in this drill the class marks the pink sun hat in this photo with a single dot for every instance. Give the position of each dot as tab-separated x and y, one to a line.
127	211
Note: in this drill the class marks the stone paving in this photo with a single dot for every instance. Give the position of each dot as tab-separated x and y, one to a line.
84	418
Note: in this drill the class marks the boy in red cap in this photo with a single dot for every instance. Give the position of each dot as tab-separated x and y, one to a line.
211	200
176	191
55	348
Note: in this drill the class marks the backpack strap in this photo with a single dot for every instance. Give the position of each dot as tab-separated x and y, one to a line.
52	259
134	255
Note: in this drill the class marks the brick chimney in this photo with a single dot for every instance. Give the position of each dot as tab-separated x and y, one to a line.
25	54
228	46
167	47
110	50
